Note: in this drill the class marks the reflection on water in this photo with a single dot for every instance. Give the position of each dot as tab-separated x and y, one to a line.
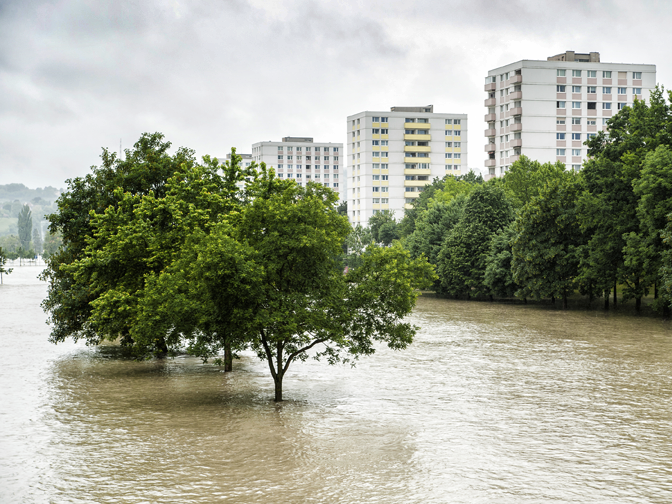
491	403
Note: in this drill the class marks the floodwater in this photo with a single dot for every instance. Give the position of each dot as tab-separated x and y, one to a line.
492	403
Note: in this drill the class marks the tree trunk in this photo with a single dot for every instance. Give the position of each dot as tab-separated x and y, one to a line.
525	300
615	296
228	358
655	290
161	348
491	298
564	299
278	375
553	299
638	303
606	299
278	387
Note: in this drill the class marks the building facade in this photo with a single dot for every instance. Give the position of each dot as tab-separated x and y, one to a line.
302	159
546	110
393	155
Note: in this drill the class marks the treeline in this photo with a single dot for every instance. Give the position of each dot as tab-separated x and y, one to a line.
544	232
164	253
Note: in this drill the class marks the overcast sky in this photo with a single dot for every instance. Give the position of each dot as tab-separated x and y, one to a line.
76	76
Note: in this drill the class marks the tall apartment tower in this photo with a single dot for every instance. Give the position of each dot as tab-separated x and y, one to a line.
546	110
393	155
302	159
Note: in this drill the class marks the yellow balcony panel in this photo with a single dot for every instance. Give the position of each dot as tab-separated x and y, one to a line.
449	126
417	160
417	148
384	182
449	137
458	149
384	137
449	149
411	195
408	206
457	161
457	126
415	125
416	183
417	171
376	171
375	125
384	206
385	171
384	148
425	138
375	137
376	159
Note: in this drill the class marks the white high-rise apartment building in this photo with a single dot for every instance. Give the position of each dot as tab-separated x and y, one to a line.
302	159
393	155
547	109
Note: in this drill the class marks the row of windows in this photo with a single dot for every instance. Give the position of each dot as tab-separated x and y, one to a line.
577	120
307	149
298	176
380	177
380	200
299	167
298	158
561	152
379	142
593	74
380	189
590	105
593	89
450	155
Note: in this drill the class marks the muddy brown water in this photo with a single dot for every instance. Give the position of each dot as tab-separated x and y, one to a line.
492	403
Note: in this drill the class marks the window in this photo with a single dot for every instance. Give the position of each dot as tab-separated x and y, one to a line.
457	156
560	136
298	166
590	136
289	166
382	177
560	73
636	75
279	158
576	136
449	155
576	89
576	104
335	167
382	142
637	90
592	105
621	105
560	104
559	152
384	119
449	144
604	121
606	90
458	144
308	150
298	149
457	121
576	73
576	167
279	167
622	90
317	149
560	89
289	175
376	200
384	189
375	119
592	89
289	148
591	73
335	175
383	154
317	166
335	149
576	152
606	106
376	177
375	131
383	131
576	120
289	158
382	200
383	166
459	132
449	121
560	121
606	74
376	189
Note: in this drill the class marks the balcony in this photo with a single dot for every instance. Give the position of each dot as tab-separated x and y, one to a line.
490	132
517	127
411	194
490	87
416	160
515	111
490	117
491	102
426	137
417	171
417	125
514	158
517	142
518	95
490	162
416	183
417	148
490	147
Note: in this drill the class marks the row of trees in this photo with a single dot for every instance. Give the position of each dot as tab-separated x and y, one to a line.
544	232
164	253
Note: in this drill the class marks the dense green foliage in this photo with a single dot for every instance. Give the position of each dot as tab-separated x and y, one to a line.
3	261
162	253
543	232
25	226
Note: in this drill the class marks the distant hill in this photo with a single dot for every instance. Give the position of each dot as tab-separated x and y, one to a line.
11	192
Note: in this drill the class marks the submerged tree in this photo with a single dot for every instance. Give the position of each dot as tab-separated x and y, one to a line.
25	227
3	262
